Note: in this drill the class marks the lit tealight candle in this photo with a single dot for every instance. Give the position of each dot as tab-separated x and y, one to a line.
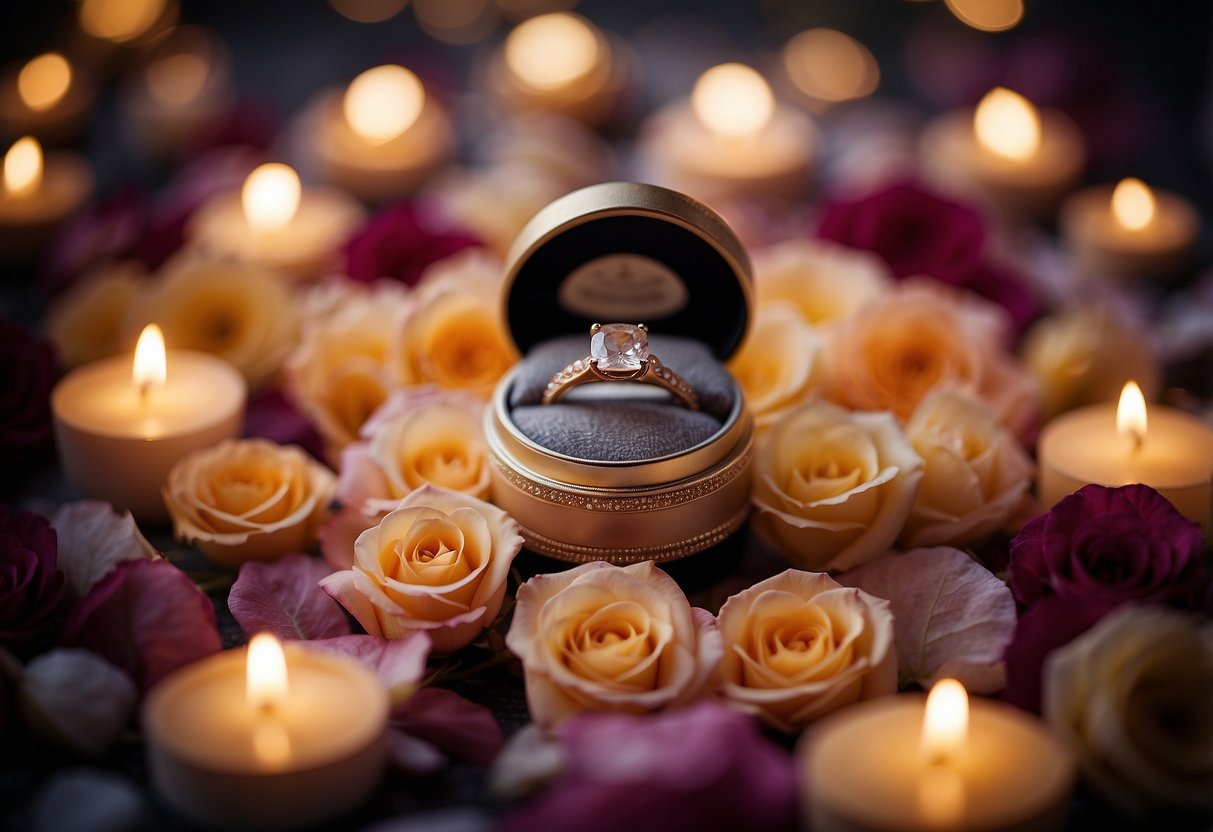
729	138
273	221
381	138
37	192
829	67
121	22
899	763
45	96
140	417
266	737
1129	230
1119	444
561	63
184	86
1006	151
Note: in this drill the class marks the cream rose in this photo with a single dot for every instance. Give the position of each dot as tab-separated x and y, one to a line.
800	645
1133	694
826	282
420	436
342	371
454	337
975	473
1085	356
833	488
921	336
87	322
775	365
241	312
610	638
248	499
438	563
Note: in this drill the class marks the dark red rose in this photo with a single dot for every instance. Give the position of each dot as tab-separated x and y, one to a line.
401	241
31	584
1049	624
28	369
272	415
1110	545
110	230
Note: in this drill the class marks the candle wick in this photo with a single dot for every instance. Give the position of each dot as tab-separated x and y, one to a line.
1138	440
145	390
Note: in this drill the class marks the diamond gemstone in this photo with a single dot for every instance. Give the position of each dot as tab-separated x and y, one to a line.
619	347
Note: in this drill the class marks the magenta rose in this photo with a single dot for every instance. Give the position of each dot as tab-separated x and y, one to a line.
28	369
1095	550
31	584
706	768
401	241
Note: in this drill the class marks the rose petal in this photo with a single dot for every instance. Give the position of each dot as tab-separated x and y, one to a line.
457	726
285	598
93	538
399	663
76	699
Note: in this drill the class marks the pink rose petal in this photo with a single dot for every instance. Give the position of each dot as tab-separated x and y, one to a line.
953	617
93	538
399	663
412	755
284	598
147	618
455	725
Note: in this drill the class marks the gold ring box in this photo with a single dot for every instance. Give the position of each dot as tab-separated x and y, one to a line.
636	476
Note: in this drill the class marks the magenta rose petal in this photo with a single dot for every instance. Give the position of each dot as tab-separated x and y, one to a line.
954	617
399	663
271	415
93	539
1049	624
147	618
453	724
284	597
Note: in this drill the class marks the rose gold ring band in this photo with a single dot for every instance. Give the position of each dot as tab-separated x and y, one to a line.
585	370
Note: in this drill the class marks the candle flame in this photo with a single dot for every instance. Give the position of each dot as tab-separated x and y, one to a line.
733	100
552	50
1131	413
1007	124
120	20
945	725
383	102
150	368
44	80
1133	204
23	167
271	196
266	679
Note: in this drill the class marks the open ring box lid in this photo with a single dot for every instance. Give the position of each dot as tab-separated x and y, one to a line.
624	252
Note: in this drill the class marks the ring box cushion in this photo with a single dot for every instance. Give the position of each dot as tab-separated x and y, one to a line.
620	421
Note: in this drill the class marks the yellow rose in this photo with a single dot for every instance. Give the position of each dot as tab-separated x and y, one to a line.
610	638
800	645
975	474
1085	356
453	337
438	563
1133	695
899	347
826	282
833	488
87	321
242	313
342	371
248	499
775	365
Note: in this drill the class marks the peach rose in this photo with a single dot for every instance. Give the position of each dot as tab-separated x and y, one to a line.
826	282
248	499
921	336
495	202
420	436
86	322
1133	696
454	337
975	474
833	488
438	563
241	312
799	646
610	638
775	365
342	371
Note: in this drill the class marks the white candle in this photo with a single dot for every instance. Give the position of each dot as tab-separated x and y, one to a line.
381	138
266	738
38	192
273	221
45	96
730	138
1005	151
1129	230
121	426
1123	444
899	763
